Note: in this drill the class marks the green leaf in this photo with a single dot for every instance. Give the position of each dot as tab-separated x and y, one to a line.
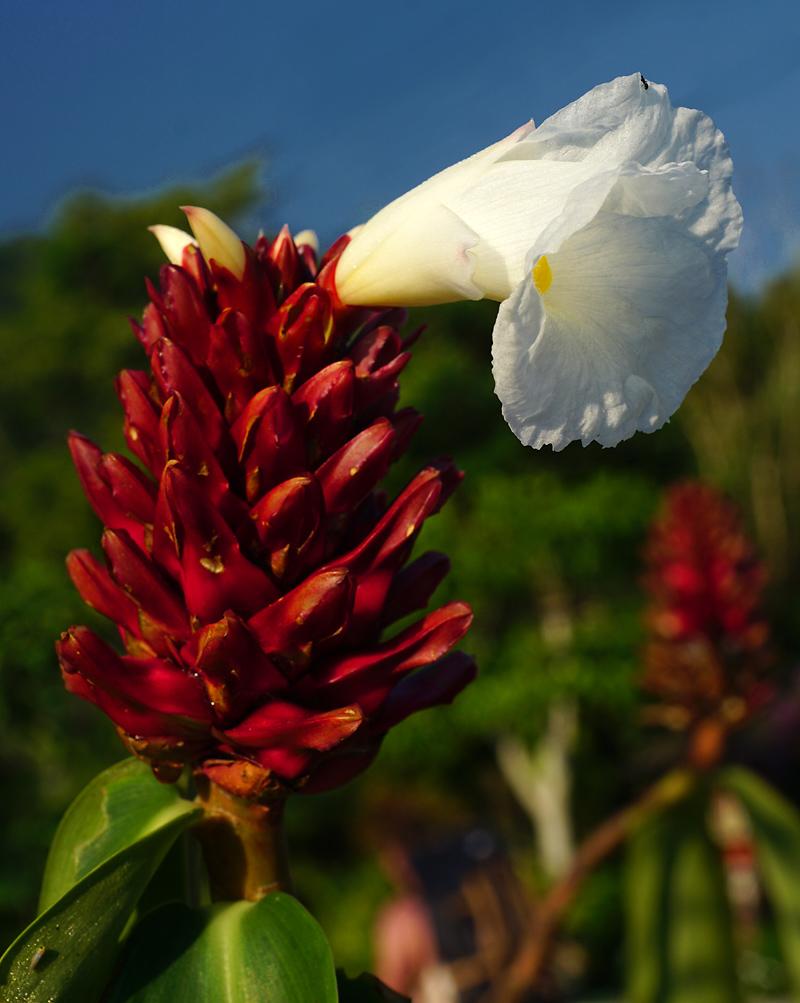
702	956
120	806
67	954
680	942
648	860
241	952
365	989
776	830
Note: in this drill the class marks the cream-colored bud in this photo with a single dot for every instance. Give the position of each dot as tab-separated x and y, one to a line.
216	239
309	238
173	241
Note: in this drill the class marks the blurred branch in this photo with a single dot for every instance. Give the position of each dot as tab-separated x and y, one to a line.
540	779
541	782
528	966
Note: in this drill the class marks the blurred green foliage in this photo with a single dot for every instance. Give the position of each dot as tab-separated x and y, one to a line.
546	547
64	299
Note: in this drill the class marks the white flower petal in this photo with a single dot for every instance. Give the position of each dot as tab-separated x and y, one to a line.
628	189
634	313
509	207
671	190
521	204
622	121
365	274
617	121
429	259
718	220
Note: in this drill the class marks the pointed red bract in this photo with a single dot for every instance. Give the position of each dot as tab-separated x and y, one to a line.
238	359
99	590
355	469
121	495
302	329
315	611
412	587
141	418
214	572
237	673
325	405
435	684
288	520
252	567
155	694
368	676
270	442
284	724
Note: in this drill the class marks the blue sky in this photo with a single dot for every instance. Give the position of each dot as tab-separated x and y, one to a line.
351	103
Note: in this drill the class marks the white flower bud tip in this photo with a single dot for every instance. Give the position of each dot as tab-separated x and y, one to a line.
216	239
173	241
309	238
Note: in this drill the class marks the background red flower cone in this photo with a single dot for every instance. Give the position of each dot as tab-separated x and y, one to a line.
709	641
252	563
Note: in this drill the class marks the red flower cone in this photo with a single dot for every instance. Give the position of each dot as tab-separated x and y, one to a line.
709	641
253	564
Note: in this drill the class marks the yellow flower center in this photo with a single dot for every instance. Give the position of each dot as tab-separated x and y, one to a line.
542	275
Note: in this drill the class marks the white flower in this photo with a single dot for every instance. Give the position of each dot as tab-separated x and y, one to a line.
603	232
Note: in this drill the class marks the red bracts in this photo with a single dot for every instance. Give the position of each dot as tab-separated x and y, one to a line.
709	641
251	563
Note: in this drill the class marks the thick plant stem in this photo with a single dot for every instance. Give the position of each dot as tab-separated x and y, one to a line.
527	968
243	844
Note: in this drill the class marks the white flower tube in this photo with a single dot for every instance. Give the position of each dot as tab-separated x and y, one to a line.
603	232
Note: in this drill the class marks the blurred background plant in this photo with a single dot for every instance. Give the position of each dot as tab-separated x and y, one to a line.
556	736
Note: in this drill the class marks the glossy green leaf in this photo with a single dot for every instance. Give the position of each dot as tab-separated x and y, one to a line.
366	989
241	952
680	942
119	807
181	877
68	953
776	830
